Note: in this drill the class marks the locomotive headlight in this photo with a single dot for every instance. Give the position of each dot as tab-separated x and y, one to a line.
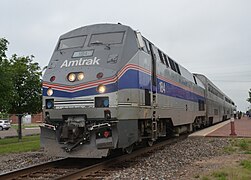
101	88
80	76
71	77
49	92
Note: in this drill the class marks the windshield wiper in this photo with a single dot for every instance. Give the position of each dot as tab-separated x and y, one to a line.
101	43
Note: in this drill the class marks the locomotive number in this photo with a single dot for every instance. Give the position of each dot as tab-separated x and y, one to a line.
162	87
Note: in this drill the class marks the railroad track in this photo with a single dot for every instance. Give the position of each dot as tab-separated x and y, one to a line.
50	170
86	168
103	169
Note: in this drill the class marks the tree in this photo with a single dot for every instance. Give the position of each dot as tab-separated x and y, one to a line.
20	85
3	48
6	86
249	99
27	94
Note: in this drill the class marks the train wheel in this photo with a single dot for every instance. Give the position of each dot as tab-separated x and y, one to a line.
129	149
150	143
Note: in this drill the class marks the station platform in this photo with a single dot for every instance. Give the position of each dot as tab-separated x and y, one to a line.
242	129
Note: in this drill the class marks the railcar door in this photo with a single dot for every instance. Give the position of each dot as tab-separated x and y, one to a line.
153	73
154	93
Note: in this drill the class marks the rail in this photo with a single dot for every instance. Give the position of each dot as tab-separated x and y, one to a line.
76	168
102	169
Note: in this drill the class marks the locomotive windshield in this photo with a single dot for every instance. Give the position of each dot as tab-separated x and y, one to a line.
94	48
72	42
107	38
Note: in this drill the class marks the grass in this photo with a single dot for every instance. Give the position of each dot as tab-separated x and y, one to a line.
246	164
239	146
230	149
205	178
12	145
241	171
221	175
244	144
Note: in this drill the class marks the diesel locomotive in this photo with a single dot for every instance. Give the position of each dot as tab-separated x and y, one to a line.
107	87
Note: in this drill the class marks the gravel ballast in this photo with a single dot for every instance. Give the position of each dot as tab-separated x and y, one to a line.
11	162
172	162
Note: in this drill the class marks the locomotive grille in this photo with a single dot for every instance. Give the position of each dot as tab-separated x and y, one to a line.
73	103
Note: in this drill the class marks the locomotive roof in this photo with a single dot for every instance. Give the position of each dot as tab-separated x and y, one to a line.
95	28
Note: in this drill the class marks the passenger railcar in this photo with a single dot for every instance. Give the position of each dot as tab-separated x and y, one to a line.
219	106
108	87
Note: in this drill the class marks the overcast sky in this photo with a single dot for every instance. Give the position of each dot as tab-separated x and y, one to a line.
212	37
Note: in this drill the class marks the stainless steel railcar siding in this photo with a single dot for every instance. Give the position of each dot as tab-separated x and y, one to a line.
217	106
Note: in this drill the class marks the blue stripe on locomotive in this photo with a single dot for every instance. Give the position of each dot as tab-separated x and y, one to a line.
133	79
86	92
129	80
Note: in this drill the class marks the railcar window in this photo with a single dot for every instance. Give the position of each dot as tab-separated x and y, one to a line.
201	105
177	67
215	91
72	42
166	61
147	45
195	81
228	100
107	38
161	57
216	111
172	64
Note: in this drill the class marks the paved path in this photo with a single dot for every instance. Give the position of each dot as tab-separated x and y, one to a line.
13	132
242	129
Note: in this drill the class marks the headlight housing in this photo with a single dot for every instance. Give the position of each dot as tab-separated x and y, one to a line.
99	75
101	102
49	92
71	77
49	103
52	78
75	76
101	88
80	76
